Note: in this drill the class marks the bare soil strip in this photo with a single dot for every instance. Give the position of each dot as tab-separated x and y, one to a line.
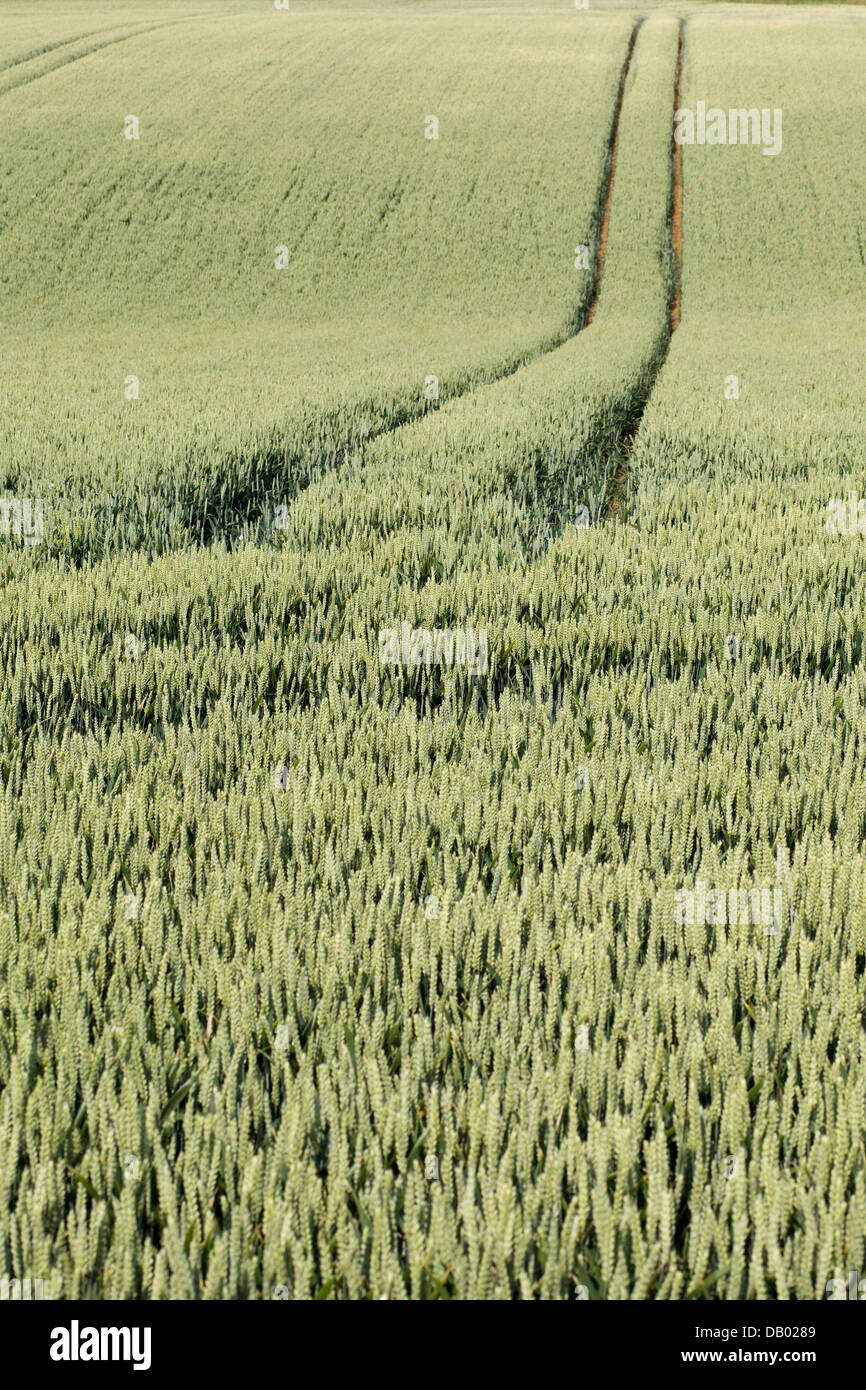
632	424
677	199
607	196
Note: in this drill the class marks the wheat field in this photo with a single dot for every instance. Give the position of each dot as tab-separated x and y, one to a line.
432	706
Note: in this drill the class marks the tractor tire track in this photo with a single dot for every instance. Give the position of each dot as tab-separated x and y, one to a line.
35	53
206	528
581	319
76	57
276	463
603	216
675	220
677	199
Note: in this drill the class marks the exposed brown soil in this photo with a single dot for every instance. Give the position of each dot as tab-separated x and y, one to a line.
627	437
608	192
677	204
